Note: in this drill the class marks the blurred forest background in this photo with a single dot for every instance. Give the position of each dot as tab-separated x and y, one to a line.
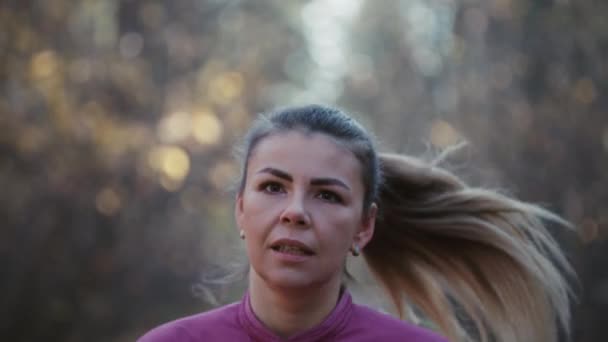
118	118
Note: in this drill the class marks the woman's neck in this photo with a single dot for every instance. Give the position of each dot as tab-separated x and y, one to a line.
290	311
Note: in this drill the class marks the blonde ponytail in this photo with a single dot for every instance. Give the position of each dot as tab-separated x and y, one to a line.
464	255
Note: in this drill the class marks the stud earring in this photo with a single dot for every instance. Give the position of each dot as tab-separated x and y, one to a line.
355	250
242	234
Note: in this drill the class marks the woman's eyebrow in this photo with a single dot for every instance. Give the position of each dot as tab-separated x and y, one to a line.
315	181
329	181
277	173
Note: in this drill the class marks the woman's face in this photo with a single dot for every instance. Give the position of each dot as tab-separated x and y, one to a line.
302	209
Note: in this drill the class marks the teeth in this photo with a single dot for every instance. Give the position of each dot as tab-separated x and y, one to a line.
291	250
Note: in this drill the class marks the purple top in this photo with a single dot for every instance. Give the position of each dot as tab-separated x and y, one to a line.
237	322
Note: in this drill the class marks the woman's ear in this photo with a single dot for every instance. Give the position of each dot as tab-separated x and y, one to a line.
366	230
238	211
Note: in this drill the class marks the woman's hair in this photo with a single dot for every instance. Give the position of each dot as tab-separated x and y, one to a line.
477	263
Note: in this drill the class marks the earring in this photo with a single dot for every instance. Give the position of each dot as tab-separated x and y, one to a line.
242	234
355	250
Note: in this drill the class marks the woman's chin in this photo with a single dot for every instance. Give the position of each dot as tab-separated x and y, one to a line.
288	280
293	280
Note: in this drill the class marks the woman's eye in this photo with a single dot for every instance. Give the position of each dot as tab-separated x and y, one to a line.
330	197
272	187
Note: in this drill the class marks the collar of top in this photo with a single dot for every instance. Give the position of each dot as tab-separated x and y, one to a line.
331	326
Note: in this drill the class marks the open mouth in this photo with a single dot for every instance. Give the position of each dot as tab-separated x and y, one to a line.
294	250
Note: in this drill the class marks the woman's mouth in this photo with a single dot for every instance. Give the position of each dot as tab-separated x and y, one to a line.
291	250
292	247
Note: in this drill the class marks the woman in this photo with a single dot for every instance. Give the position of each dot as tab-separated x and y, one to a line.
314	189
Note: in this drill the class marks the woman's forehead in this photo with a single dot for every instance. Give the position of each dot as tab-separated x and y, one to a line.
303	141
301	152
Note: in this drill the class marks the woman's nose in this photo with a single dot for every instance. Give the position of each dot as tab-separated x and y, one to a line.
295	213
